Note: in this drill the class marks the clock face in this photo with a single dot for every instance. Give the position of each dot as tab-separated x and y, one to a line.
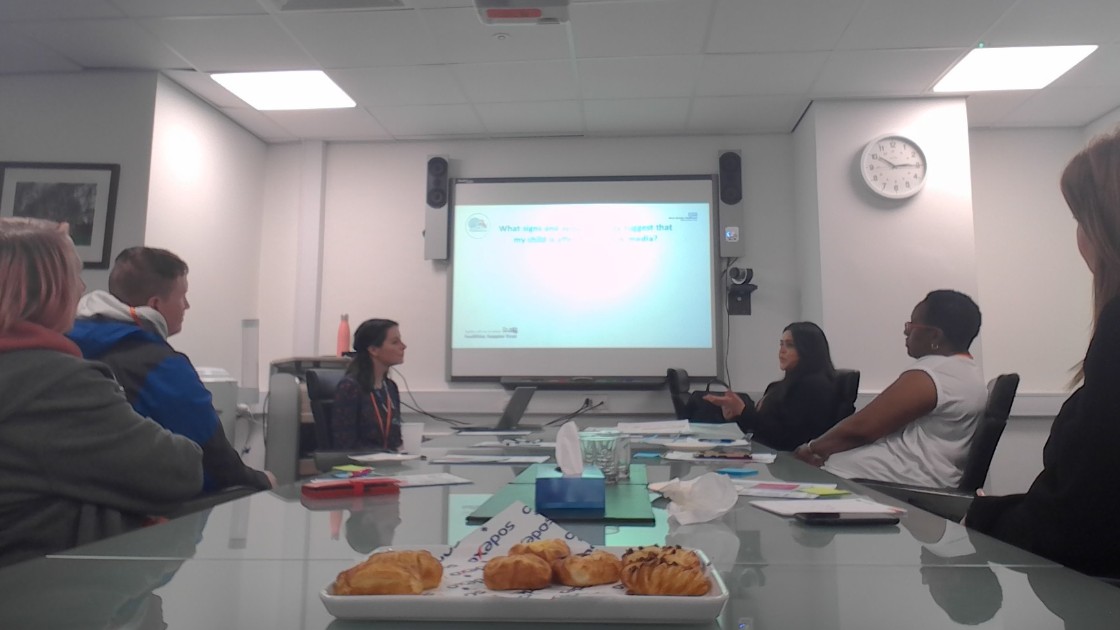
893	167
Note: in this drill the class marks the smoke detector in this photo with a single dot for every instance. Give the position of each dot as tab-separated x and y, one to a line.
522	11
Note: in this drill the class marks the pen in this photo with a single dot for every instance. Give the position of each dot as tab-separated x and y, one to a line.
717	441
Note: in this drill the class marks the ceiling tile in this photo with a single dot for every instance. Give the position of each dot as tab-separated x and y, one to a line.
201	85
104	43
352	123
242	43
528	81
460	37
258	124
179	8
400	85
362	39
759	74
1049	23
883	72
634	29
545	118
987	109
22	54
638	77
637	116
921	24
746	114
1068	107
782	26
1098	69
57	9
429	120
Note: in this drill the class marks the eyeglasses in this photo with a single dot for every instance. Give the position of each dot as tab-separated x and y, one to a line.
909	327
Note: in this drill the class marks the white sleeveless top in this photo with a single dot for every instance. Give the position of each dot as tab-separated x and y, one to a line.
930	451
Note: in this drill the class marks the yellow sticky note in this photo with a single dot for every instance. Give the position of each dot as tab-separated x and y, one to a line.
350	468
825	492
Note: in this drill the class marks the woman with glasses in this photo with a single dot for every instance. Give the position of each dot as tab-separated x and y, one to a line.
797	408
919	429
1070	513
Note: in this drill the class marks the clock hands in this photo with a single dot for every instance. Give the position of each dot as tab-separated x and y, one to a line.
893	165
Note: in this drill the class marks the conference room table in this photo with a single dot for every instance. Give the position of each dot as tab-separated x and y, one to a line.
260	562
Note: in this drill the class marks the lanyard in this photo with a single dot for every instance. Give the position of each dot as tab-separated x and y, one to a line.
385	424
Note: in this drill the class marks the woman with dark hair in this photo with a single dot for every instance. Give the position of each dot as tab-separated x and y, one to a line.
919	429
1069	514
367	404
797	408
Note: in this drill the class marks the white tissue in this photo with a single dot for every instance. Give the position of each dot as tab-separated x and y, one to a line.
700	500
568	454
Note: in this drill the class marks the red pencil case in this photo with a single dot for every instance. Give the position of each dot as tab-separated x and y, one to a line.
354	487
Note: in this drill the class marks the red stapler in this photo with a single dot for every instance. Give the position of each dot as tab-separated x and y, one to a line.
352	487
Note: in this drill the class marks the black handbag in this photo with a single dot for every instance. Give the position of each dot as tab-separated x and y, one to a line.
700	410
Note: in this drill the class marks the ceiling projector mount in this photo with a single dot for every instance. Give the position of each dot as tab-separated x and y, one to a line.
522	11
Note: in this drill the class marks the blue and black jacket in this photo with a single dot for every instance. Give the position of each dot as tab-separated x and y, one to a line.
161	384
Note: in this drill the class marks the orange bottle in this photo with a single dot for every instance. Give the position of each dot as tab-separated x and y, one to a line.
343	335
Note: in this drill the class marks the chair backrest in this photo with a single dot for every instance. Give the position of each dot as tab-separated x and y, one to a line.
321	383
847	388
1001	393
679	385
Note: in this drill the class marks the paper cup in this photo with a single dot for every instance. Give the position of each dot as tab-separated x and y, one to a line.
412	434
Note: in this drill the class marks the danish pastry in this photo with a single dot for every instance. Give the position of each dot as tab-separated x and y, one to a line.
422	562
378	579
547	550
660	577
672	555
516	573
597	567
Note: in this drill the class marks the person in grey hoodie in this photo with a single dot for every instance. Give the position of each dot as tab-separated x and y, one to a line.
76	462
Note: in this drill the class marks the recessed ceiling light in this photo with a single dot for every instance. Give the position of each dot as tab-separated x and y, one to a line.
1019	68
303	89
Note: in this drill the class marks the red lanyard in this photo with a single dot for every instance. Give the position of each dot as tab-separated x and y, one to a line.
385	424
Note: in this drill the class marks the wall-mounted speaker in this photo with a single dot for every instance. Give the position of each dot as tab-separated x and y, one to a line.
731	244
436	216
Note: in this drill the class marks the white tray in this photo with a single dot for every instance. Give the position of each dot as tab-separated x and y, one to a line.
604	605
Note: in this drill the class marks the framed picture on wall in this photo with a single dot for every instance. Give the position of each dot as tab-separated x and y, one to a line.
83	195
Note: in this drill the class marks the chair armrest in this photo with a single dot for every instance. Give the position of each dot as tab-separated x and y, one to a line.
948	503
210	499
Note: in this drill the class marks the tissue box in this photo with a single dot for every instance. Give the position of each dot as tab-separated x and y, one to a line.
558	496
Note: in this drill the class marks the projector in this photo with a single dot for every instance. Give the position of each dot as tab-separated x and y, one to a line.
522	11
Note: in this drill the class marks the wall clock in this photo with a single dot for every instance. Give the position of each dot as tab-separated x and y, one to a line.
893	166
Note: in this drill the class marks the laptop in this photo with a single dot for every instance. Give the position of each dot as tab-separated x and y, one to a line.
511	416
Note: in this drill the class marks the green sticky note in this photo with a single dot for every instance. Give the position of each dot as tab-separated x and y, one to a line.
825	492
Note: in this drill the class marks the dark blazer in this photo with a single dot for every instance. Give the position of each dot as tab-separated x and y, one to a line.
354	423
805	412
1070	514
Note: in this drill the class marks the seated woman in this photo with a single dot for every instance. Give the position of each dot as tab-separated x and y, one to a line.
919	429
76	462
367	404
1069	514
797	408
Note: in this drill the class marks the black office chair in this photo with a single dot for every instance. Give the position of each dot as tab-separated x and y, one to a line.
321	385
953	503
679	385
691	405
847	389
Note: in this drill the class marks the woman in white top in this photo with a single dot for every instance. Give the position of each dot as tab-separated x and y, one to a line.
918	431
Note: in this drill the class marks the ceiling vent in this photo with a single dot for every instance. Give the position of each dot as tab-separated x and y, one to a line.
522	11
338	5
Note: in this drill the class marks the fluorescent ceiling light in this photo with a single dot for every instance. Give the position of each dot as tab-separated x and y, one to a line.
1020	68
305	89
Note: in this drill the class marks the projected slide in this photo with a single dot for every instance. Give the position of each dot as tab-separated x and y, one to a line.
592	277
582	275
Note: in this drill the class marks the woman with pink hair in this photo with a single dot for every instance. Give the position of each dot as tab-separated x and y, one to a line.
76	462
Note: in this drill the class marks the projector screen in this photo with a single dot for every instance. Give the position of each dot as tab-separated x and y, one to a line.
583	277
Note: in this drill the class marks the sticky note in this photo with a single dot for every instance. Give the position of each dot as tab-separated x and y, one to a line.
825	492
737	472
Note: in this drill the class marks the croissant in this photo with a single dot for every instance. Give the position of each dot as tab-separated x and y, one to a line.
657	577
672	555
421	562
378	579
547	550
597	567
516	573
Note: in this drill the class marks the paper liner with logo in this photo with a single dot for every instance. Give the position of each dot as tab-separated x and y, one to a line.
463	596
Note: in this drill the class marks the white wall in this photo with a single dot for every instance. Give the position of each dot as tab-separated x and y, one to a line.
95	117
204	204
878	258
